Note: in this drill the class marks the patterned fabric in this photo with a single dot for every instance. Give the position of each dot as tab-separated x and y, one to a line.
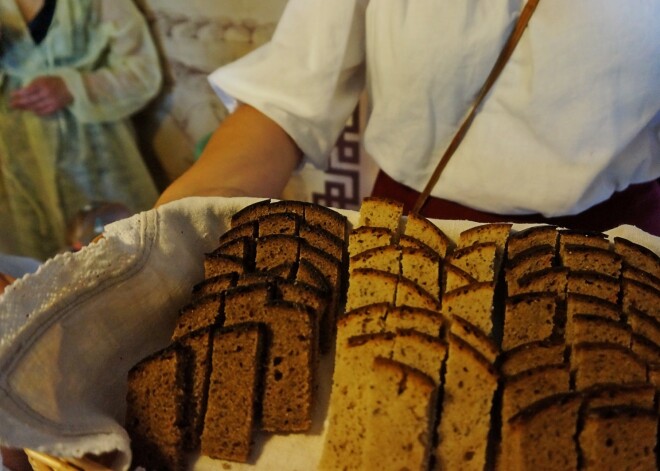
51	167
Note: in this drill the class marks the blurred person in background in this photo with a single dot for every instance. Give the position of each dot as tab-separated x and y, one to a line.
569	134
72	73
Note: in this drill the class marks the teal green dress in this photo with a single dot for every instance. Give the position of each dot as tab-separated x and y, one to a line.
51	167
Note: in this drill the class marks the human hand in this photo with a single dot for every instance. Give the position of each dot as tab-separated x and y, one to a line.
5	280
43	96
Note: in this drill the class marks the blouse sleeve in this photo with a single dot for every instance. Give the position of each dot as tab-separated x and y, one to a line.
308	78
130	74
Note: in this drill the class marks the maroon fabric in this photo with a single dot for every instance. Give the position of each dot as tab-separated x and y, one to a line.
638	205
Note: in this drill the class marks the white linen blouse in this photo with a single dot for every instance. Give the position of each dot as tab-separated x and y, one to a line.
574	116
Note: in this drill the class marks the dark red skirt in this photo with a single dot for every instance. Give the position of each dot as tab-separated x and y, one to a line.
638	205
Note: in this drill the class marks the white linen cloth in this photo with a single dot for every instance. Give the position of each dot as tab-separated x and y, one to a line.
574	117
70	332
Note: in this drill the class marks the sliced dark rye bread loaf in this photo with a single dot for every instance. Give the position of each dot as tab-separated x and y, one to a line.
531	237
632	394
400	403
199	345
528	318
250	213
542	436
586	328
276	249
473	303
621	438
645	349
199	313
532	354
638	256
220	264
249	229
213	285
464	430
583	238
577	303
240	247
644	325
633	273
605	363
639	296
234	392
551	280
593	284
523	389
534	259
279	223
419	228
326	218
156	401
325	240
583	258
291	360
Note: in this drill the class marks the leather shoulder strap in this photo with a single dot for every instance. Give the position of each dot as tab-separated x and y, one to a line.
502	59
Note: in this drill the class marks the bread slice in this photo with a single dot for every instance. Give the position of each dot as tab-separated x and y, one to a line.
279	223
368	286
317	300
542	436
645	349
385	258
528	318
479	260
325	240
475	337
332	269
234	391
306	272
381	212
199	345
276	249
250	213
532	260
593	239
523	389
409	293
291	362
605	363
633	394
220	264
155	409
633	273
400	404
644	325
454	278
327	218
585	328
367	319
497	232
423	352
622	438
531	355
465	422
213	285
586	304
531	237
593	284
243	300
422	320
644	298
423	267
249	229
474	303
198	314
420	228
342	446
551	280
585	258
366	237
241	248
638	256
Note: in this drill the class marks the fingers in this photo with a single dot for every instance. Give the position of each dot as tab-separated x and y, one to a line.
43	96
5	280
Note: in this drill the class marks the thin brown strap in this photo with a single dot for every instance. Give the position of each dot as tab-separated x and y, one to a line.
503	58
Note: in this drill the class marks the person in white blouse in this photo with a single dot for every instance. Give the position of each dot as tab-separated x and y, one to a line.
569	133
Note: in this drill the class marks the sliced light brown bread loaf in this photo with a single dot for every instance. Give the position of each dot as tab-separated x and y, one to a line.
426	321
479	260
474	303
454	278
366	237
409	293
401	404
386	258
605	363
381	212
423	266
584	328
475	337
531	355
367	286
420	228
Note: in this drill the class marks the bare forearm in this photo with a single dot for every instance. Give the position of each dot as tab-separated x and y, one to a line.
248	155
